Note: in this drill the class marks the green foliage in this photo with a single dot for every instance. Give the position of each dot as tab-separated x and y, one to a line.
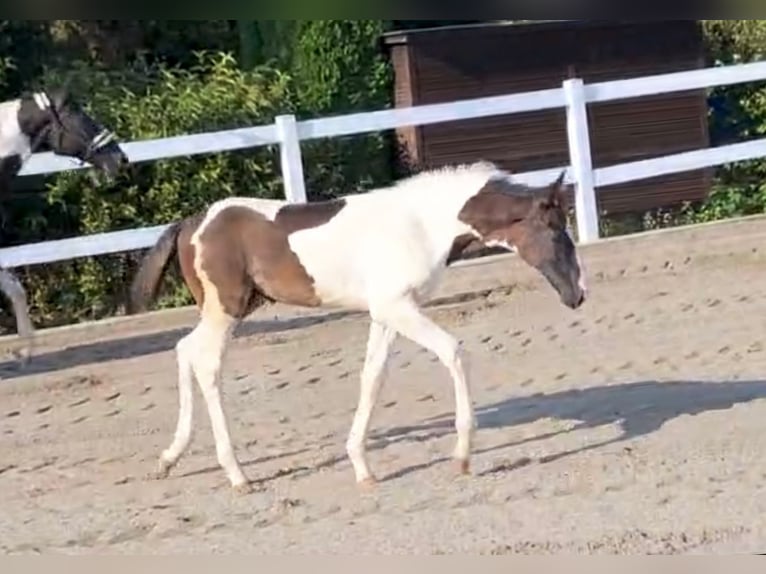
6	67
212	95
338	68
146	102
23	46
117	43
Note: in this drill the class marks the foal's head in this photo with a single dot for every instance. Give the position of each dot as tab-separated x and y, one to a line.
533	222
55	121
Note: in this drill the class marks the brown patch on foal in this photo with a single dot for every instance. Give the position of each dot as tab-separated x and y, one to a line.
463	247
296	216
186	252
498	205
248	259
503	211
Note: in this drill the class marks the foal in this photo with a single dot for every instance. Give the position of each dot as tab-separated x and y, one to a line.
48	121
382	252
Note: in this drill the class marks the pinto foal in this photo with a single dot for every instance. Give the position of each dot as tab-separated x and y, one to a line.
48	121
382	252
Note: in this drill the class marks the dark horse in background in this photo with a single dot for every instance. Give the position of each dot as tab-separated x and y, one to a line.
48	121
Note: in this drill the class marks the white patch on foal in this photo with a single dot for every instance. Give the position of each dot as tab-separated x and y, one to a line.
498	243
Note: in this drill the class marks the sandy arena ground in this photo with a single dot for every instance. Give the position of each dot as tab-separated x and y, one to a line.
636	424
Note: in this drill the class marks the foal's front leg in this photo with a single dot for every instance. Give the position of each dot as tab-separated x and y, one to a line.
372	376
406	318
14	291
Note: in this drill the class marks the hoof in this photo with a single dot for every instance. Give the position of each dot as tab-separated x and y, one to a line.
162	472
368	484
463	467
243	489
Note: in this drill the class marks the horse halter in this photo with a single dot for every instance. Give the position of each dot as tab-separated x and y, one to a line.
100	140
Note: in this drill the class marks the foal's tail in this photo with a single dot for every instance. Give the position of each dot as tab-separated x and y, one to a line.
143	289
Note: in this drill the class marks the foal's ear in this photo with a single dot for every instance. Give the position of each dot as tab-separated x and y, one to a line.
556	197
560	179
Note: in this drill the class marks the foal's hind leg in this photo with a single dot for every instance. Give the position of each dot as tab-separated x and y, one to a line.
405	317
202	352
215	332
11	286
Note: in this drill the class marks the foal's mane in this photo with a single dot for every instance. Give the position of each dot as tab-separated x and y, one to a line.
484	172
477	173
479	168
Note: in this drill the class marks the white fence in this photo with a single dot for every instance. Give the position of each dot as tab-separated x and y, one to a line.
574	96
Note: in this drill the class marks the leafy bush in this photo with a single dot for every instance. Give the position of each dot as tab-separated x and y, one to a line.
148	102
23	46
338	68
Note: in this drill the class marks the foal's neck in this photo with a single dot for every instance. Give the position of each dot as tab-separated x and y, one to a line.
440	204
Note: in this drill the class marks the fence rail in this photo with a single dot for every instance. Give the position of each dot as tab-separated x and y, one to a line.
574	96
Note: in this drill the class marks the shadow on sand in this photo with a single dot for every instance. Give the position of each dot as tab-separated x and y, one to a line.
638	408
140	345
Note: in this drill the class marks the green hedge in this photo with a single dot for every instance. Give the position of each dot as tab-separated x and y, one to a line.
143	103
338	68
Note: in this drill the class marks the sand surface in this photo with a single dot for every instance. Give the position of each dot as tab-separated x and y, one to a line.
636	424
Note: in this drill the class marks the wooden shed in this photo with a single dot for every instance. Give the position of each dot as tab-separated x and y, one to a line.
459	62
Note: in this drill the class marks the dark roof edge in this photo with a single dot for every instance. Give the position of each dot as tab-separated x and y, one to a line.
401	36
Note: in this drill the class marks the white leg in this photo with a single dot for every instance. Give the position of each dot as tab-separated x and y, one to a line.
185	351
405	317
200	354
372	376
213	334
11	286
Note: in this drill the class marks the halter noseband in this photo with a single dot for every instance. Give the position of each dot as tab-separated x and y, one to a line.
102	139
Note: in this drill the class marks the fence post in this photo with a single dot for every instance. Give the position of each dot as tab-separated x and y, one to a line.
579	155
290	158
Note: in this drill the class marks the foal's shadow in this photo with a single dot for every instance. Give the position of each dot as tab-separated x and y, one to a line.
639	409
146	344
139	345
